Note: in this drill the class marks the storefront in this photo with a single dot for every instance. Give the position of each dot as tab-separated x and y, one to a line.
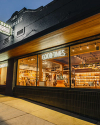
85	62
51	69
55	62
3	76
3	73
66	77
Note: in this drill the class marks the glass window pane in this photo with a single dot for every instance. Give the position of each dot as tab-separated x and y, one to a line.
54	68
26	73
85	62
3	73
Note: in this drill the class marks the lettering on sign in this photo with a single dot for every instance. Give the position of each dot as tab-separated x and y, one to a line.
53	54
5	28
19	20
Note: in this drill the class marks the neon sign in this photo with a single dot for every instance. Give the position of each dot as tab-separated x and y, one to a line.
5	28
53	54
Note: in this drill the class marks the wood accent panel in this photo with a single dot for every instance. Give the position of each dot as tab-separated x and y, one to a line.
79	30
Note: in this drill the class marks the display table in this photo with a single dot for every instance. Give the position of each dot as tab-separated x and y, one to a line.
60	83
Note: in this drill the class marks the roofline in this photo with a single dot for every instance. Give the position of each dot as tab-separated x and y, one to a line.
60	25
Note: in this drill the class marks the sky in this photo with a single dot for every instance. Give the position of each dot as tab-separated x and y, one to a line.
8	7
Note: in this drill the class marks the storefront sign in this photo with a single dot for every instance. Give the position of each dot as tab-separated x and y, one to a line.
55	54
19	20
5	28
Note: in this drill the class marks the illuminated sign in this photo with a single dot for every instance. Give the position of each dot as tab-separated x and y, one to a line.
5	28
53	54
4	65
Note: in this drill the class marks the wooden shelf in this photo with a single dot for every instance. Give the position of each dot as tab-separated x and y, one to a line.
84	78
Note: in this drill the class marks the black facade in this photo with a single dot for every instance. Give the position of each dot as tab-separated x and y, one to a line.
53	16
29	25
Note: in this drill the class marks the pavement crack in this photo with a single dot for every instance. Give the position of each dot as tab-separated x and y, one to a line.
13	118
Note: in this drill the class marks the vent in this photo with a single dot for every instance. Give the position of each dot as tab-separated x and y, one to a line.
20	32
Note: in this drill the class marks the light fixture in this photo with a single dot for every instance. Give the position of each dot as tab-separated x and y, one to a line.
87	47
80	48
95	44
32	59
73	49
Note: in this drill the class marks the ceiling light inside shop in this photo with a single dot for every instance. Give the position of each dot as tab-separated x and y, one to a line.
87	47
73	49
95	44
32	59
80	48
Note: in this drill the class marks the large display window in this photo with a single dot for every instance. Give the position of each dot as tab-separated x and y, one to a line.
27	71
3	73
53	68
85	65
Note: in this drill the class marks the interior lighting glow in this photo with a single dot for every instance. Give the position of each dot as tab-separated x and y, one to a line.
95	45
32	59
73	50
44	63
5	28
80	48
87	47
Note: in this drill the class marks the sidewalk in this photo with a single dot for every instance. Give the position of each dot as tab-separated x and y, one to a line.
15	111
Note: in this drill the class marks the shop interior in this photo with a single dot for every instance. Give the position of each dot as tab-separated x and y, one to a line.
3	73
85	65
52	72
53	67
27	69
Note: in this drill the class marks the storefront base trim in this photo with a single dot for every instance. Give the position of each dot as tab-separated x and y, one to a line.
82	102
2	89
